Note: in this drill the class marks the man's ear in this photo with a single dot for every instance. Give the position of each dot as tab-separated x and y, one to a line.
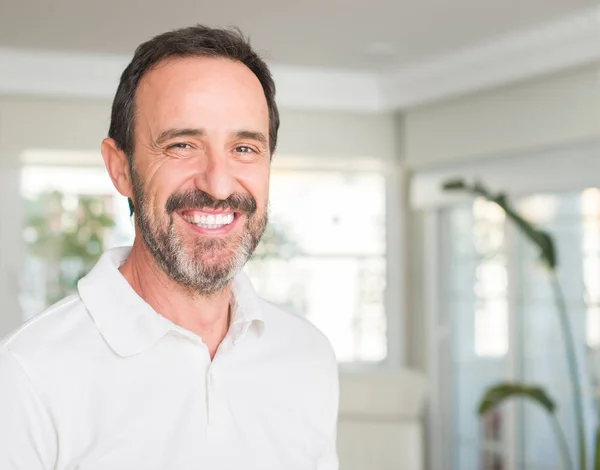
117	166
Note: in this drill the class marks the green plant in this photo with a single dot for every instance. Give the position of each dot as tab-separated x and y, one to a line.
544	242
65	233
501	392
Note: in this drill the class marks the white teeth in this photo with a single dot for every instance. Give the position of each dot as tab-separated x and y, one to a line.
210	221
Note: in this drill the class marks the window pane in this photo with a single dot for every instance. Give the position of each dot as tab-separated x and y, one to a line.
72	214
324	256
570	218
329	213
476	303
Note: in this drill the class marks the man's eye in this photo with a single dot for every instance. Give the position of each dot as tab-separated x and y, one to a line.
244	149
180	145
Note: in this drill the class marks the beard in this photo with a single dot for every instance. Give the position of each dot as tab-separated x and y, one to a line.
202	265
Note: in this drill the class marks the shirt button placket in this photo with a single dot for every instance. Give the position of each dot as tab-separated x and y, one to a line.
208	401
216	409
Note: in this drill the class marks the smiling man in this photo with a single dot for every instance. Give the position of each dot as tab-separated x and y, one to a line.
166	358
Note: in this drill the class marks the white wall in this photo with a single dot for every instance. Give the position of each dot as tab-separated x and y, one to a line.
337	135
53	124
380	421
554	110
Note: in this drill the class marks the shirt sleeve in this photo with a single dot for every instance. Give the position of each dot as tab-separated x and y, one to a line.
27	436
329	460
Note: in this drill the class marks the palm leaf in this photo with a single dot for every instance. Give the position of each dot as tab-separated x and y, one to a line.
501	392
539	238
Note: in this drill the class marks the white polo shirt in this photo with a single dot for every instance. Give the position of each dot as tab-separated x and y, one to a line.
101	381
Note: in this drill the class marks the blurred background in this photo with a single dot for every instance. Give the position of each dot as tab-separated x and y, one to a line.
428	297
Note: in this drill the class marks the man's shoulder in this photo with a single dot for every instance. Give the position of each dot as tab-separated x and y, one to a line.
296	330
307	359
50	331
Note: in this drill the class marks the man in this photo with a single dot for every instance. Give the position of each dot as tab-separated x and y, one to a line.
165	358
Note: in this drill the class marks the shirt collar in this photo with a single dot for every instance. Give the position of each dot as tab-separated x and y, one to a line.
131	326
245	307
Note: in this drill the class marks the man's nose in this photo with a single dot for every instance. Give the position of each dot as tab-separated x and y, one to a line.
215	177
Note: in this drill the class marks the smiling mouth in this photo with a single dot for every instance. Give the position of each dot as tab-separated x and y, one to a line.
209	221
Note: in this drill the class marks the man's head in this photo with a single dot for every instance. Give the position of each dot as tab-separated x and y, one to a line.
193	128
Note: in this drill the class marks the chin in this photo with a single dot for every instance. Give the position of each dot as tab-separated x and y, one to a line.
217	259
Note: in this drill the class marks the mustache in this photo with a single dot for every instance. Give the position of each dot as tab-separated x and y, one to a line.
200	200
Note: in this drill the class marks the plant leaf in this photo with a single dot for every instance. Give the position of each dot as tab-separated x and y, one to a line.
542	240
496	395
548	249
454	184
597	450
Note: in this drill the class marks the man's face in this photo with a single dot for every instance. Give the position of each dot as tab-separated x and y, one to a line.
201	168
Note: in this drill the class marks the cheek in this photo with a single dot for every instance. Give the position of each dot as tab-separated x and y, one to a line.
159	188
154	203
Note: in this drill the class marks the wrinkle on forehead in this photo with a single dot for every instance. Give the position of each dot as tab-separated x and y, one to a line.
203	77
200	92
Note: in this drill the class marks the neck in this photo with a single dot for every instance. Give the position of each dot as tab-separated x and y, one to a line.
206	316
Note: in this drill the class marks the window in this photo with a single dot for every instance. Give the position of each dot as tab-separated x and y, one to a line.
332	267
71	215
323	255
476	298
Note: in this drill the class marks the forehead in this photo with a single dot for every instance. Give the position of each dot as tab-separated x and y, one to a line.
201	91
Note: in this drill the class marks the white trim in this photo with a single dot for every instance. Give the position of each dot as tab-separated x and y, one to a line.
513	431
439	445
53	158
96	76
297	163
396	304
59	74
563	168
80	158
566	43
307	88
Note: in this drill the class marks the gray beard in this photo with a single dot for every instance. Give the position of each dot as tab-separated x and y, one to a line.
184	264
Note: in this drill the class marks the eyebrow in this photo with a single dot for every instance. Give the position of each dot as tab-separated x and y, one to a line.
252	135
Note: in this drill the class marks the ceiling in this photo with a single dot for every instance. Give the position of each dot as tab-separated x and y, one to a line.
372	35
